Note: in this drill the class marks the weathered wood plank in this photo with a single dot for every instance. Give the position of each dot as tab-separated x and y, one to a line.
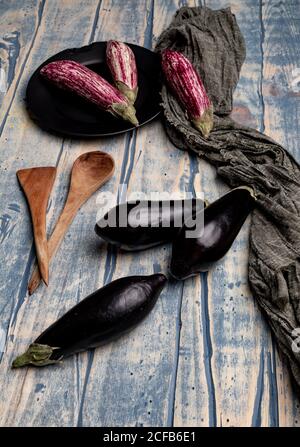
187	377
280	92
238	355
24	142
204	356
68	281
142	366
19	25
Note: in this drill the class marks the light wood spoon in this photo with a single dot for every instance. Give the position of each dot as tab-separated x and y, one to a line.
90	171
37	184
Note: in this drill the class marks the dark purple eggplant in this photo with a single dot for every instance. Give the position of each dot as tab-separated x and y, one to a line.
222	221
136	231
105	315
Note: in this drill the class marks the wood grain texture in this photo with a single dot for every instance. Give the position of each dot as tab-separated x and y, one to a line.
205	355
280	93
237	339
20	22
90	171
37	184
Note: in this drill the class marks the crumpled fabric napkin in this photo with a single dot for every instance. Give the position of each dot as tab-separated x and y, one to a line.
213	42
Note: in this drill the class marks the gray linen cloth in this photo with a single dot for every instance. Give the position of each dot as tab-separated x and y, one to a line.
212	41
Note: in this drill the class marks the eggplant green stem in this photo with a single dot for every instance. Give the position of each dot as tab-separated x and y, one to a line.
127	112
130	94
248	188
37	355
206	122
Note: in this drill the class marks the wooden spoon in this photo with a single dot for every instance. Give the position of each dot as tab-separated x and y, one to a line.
37	184
90	171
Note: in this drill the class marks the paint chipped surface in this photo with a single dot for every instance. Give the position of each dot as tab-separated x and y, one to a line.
2	340
198	358
6	228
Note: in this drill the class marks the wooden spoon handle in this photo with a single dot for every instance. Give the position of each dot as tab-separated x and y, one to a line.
71	207
37	184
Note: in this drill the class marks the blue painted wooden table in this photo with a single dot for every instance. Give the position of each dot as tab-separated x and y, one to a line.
205	355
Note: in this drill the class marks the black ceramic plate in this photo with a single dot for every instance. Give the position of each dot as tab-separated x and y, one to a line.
63	112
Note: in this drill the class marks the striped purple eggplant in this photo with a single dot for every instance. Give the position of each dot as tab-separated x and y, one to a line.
77	78
121	61
186	84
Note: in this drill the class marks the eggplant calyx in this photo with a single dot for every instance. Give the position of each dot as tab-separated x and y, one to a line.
37	355
205	122
248	188
130	94
126	111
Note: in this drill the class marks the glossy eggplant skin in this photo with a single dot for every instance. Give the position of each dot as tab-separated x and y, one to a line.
103	316
222	222
140	234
